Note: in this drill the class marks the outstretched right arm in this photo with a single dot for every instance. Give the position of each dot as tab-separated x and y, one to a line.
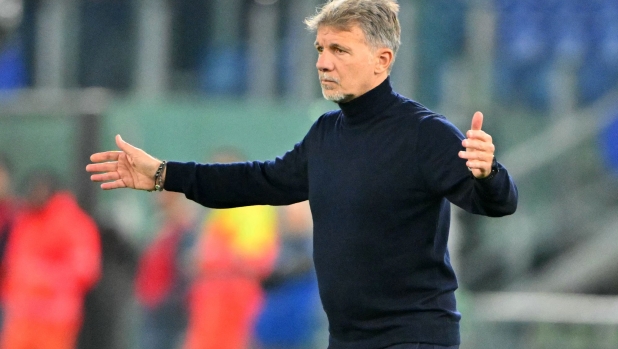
282	181
130	167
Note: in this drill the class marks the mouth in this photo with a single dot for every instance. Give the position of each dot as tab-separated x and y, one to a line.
328	80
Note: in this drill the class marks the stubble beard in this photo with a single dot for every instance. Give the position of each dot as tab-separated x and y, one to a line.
332	94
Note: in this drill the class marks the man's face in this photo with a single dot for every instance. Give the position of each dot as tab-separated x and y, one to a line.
346	63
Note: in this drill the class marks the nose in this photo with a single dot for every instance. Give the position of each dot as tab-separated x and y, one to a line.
324	64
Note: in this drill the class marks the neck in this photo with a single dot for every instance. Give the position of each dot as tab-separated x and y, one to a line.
369	105
377	81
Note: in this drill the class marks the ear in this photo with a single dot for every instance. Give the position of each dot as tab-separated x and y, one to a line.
384	58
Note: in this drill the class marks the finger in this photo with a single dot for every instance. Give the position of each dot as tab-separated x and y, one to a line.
479	165
477	145
102	167
105	156
481	156
105	177
477	121
124	146
113	185
479	134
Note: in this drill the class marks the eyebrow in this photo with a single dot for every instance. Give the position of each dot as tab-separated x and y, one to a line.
334	45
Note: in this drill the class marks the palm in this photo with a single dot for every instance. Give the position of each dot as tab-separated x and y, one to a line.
128	173
129	168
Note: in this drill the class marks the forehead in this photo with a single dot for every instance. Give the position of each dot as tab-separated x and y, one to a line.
329	34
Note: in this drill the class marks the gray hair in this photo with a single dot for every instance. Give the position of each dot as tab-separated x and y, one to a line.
376	18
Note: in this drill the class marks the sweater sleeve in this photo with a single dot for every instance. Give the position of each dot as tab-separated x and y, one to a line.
282	181
446	174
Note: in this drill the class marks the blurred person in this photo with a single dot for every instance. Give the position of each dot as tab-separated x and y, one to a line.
13	69
108	307
8	203
8	210
163	273
290	318
379	175
52	260
235	252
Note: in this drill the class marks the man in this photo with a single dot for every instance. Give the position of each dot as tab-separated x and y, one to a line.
163	274
8	204
378	174
8	210
291	317
235	251
52	260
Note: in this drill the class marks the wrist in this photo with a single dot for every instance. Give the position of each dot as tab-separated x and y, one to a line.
492	173
159	177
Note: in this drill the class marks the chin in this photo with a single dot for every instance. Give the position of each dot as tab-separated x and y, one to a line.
337	97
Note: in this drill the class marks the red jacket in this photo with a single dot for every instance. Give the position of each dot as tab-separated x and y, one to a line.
158	271
8	211
53	258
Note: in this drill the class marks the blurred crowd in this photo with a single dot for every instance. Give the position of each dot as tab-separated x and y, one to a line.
208	46
536	38
223	279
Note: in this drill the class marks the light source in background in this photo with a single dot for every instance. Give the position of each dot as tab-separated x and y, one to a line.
266	2
11	12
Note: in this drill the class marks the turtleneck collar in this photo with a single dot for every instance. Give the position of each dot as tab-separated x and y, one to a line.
368	105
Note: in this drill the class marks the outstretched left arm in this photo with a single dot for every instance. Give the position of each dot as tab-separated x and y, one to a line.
465	177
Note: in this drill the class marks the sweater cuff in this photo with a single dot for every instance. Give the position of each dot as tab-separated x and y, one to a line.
177	176
495	180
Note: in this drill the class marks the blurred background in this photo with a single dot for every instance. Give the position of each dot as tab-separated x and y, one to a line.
185	79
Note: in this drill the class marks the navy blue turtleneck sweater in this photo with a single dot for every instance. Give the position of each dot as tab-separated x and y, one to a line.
379	175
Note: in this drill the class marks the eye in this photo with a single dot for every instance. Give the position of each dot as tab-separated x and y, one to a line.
338	50
320	49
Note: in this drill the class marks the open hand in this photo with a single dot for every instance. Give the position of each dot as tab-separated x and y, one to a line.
479	148
130	167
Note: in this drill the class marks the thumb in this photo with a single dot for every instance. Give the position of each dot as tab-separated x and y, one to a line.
124	146
477	121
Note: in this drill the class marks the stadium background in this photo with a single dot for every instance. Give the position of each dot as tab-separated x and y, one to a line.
180	78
